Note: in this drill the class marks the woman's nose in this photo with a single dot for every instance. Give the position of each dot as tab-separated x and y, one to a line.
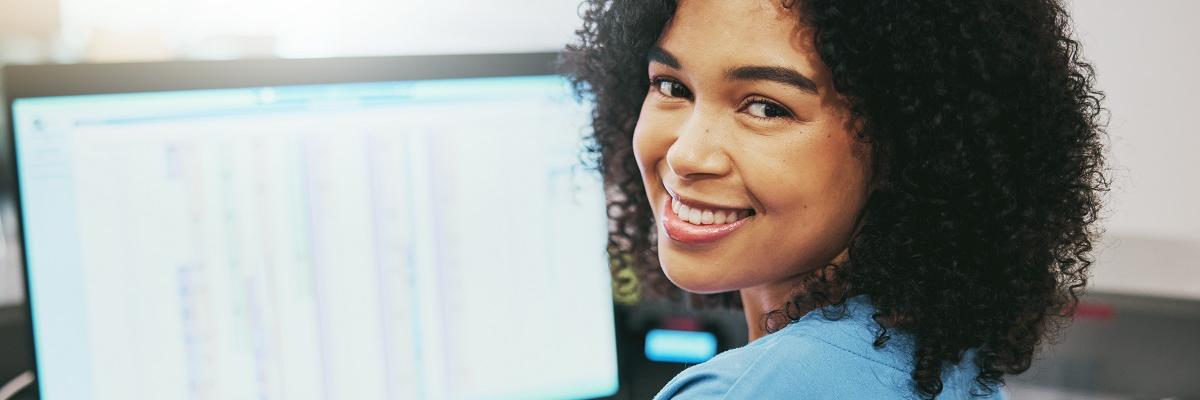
699	149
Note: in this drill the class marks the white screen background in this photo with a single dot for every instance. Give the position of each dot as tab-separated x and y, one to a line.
388	241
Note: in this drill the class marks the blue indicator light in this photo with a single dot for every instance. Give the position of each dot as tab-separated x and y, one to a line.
663	345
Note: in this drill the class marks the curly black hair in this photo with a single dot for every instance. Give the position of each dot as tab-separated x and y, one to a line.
987	136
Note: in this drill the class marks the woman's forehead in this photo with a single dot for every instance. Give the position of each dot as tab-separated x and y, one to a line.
719	35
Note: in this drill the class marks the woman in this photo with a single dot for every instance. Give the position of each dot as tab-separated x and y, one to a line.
901	196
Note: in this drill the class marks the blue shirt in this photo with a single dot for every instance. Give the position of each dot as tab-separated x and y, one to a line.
819	358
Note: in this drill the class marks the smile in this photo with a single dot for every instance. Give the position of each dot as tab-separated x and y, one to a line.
693	224
702	216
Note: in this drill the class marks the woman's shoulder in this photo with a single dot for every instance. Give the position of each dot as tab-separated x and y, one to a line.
823	355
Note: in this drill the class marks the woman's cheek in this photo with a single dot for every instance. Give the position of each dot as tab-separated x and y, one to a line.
651	138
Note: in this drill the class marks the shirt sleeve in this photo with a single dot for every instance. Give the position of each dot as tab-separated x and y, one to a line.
692	386
730	375
811	368
788	369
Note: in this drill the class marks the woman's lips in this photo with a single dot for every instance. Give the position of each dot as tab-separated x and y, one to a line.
688	233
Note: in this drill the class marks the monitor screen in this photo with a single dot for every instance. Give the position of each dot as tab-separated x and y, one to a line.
421	239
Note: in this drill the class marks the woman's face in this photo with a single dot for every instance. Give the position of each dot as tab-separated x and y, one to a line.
747	153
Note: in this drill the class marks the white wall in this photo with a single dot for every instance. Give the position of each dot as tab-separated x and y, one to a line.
154	29
1147	59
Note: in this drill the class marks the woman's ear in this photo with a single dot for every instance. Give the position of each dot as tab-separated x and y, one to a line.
863	150
870	153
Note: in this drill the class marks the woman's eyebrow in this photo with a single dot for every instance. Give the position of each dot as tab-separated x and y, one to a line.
784	75
657	54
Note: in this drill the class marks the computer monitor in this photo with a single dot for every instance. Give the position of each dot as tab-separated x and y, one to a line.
369	228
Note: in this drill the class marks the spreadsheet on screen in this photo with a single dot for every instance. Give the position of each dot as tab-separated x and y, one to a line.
410	239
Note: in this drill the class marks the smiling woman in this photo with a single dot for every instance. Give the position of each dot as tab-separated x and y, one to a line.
753	126
901	196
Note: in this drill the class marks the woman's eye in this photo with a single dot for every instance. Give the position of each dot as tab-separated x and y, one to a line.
764	109
670	88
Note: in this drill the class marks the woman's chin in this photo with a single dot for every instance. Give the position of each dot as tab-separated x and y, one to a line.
696	278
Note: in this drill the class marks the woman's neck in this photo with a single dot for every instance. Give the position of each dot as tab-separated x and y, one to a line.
758	301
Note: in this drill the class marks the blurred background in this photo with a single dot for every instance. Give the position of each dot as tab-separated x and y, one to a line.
1135	336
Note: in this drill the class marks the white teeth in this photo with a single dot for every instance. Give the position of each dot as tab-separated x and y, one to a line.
698	216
